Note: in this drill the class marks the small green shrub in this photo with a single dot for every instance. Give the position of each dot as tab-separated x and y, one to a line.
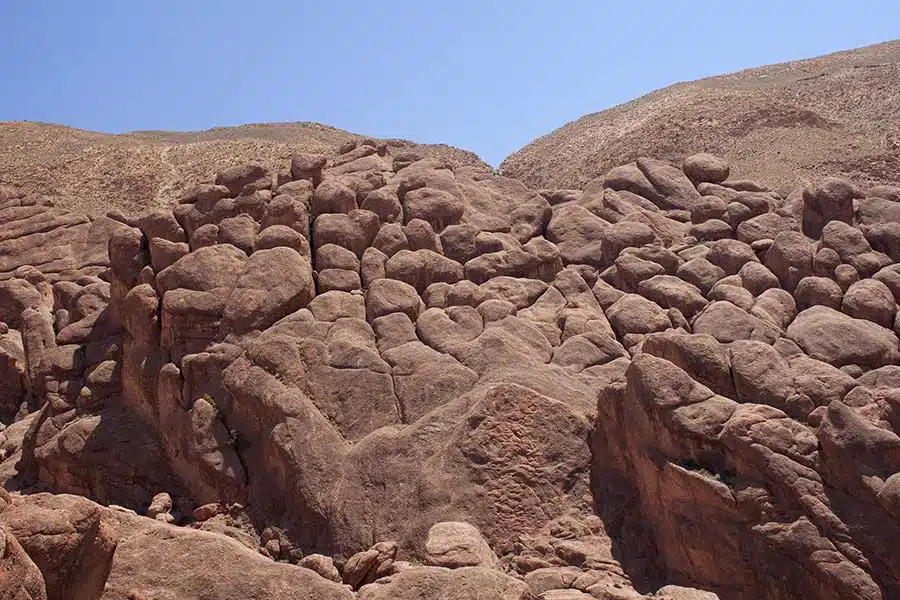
211	401
234	438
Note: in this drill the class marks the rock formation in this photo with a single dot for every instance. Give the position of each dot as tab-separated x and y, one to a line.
93	172
383	376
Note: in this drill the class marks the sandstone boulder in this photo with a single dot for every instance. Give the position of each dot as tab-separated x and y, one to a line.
454	545
838	339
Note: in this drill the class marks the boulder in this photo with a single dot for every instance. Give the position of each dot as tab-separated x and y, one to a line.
243	179
839	339
812	291
703	167
332	196
670	182
371	565
870	299
309	166
447	584
67	540
832	200
455	544
20	578
386	296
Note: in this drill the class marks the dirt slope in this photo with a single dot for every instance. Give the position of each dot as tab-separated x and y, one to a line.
837	115
96	172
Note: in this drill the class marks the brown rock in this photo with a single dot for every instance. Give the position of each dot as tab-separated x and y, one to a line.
164	253
332	256
635	314
711	230
332	196
308	166
20	578
708	207
579	235
766	226
355	230
835	338
288	210
201	565
205	235
66	539
705	168
338	279
437	207
386	296
848	241
239	231
244	179
845	276
371	565
728	323
791	258
832	200
385	203
323	565
677	592
161	223
161	503
625	235
757	278
870	299
671	292
421	236
422	268
812	291
450	584
455	544
282	235
730	255
670	182
630	178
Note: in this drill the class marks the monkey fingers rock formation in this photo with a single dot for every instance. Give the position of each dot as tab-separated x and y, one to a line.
379	375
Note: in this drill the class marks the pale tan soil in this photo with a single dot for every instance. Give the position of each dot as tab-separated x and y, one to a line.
837	115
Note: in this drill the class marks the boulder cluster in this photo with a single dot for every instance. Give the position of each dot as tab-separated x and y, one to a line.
376	376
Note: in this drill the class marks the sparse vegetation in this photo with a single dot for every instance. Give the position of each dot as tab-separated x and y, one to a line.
723	477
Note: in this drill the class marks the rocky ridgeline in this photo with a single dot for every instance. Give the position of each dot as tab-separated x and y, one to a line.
379	377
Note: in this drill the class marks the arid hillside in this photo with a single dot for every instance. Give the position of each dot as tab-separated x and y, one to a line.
95	172
833	115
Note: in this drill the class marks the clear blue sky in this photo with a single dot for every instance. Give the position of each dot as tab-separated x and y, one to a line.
484	75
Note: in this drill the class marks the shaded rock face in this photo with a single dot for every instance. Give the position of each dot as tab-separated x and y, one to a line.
564	394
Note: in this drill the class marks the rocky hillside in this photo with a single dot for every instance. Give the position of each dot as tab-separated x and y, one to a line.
836	115
374	376
95	172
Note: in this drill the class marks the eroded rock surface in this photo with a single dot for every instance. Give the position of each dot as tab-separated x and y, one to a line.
312	383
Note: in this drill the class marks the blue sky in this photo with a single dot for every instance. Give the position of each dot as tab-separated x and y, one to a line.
484	75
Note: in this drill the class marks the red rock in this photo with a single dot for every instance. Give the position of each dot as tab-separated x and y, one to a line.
579	399
831	201
245	178
705	168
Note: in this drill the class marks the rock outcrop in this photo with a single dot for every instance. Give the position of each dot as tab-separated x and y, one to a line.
94	172
311	385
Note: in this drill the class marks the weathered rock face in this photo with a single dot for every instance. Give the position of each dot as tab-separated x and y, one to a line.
381	361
